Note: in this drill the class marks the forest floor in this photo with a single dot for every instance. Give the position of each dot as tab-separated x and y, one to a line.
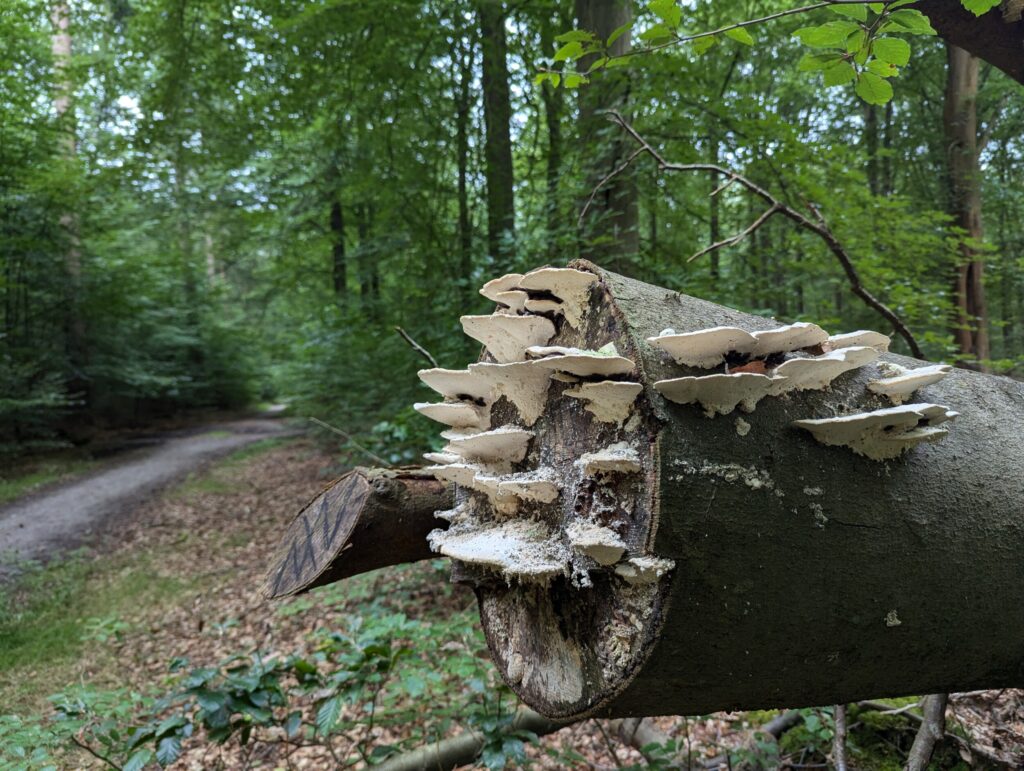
178	579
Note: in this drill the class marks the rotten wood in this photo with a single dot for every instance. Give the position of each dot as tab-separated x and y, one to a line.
368	519
931	732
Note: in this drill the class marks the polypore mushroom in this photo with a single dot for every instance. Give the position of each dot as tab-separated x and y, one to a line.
875	340
507	337
603	362
570	286
442	458
900	386
882	434
610	401
643	570
503	445
456	383
495	287
786	339
524	383
601	544
544	306
720	394
617	458
514	300
460	473
705	348
816	373
520	549
455	414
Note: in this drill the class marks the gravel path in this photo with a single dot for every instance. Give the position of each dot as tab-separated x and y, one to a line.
64	516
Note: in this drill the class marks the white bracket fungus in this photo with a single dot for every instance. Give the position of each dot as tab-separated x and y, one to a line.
508	337
456	383
495	287
610	401
570	286
705	348
442	458
455	414
899	386
615	458
816	373
786	339
601	544
720	394
461	474
875	340
500	445
602	362
523	383
518	548
515	301
543	306
882	434
644	570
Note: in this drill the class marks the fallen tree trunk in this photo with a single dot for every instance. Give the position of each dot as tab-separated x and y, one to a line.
646	538
368	519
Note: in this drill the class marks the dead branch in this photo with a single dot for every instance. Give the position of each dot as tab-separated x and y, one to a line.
417	347
839	738
817	226
353	442
931	732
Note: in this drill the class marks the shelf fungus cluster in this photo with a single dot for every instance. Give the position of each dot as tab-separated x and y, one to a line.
804	357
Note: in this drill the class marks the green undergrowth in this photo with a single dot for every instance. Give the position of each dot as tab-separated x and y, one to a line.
27	477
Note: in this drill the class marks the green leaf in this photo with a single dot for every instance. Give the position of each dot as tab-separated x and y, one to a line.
547	77
978	7
571	50
618	61
858	12
813	62
740	35
575	36
666	10
600	62
327	715
911	20
703	44
832	34
574	80
138	761
839	74
293	723
619	32
883	69
168	750
873	89
892	50
856	41
656	34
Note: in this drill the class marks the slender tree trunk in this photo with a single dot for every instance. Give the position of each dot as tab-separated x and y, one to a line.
498	140
462	108
960	123
553	106
610	231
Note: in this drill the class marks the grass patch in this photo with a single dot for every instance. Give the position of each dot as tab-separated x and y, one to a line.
31	476
257	448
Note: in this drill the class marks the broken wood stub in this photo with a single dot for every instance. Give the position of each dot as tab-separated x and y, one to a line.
370	518
692	561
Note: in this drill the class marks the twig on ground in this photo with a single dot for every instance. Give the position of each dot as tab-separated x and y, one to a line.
417	347
817	226
95	754
839	738
351	441
931	732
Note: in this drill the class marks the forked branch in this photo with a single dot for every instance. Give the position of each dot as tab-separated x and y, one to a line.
818	226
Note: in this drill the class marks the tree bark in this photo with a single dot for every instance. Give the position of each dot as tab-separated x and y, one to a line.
610	233
553	106
997	37
370	518
498	140
960	124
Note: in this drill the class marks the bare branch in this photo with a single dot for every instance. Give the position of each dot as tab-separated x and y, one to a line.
417	347
931	732
352	441
819	228
839	738
733	240
610	176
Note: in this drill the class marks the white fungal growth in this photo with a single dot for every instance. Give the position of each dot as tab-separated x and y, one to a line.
544	306
720	394
610	401
786	339
531	486
496	286
601	544
459	473
498	446
458	433
603	362
455	414
615	458
882	434
514	300
816	373
742	427
643	570
705	348
523	383
456	383
442	458
875	340
508	337
570	286
520	549
900	386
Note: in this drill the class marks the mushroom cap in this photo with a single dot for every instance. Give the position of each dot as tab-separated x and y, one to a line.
602	544
500	445
882	434
618	458
495	286
579	362
817	372
518	548
789	338
705	348
514	299
899	387
523	383
720	394
570	286
454	414
507	337
610	401
456	383
875	340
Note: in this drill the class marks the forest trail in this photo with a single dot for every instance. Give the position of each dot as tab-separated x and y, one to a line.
65	516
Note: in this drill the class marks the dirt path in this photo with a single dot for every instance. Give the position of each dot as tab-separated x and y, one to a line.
51	520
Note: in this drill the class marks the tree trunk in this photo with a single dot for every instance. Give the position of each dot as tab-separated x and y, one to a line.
643	559
370	518
610	231
960	123
339	265
462	107
553	105
498	141
996	36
